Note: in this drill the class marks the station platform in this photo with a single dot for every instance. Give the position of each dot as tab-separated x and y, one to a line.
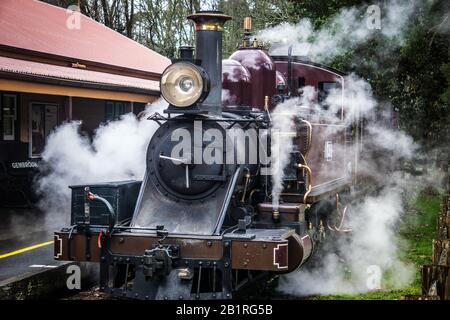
26	255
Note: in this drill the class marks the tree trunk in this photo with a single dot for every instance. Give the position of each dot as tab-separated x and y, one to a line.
106	13
441	252
444	225
436	281
130	19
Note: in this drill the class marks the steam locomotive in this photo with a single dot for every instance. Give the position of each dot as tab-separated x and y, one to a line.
203	223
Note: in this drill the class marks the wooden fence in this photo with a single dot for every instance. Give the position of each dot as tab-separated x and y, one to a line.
436	277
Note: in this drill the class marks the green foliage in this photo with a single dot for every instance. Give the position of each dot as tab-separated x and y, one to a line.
419	230
376	295
420	85
319	11
264	13
445	103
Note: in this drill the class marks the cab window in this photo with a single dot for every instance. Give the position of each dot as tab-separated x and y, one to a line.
325	88
301	83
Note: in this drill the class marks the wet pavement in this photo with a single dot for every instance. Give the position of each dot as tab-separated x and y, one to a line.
25	243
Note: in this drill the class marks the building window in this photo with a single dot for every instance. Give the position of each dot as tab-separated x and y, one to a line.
114	110
325	88
44	118
8	116
138	107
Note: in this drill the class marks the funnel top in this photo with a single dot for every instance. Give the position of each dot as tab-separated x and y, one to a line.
209	20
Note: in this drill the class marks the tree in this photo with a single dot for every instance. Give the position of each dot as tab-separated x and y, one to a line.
264	14
162	25
419	87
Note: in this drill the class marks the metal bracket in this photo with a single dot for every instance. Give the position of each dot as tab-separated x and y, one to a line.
158	261
227	272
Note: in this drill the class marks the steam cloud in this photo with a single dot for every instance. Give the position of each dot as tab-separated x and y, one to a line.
116	153
369	258
372	245
348	29
375	219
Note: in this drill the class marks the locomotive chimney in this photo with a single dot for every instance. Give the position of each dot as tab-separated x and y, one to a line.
209	28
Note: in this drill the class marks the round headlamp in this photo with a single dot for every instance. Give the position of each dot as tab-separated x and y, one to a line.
183	84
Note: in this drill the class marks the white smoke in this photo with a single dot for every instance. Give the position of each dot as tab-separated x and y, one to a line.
117	152
357	97
282	126
373	241
348	29
369	258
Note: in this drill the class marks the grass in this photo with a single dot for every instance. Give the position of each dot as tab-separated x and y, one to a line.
417	232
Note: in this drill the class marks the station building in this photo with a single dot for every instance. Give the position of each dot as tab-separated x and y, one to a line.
58	65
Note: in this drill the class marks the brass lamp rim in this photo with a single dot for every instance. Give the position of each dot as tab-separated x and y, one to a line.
168	84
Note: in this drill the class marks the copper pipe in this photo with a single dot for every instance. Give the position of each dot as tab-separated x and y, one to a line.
250	196
339	229
308	169
247	24
247	180
266	107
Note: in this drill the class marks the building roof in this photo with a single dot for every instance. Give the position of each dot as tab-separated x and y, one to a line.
47	73
40	27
